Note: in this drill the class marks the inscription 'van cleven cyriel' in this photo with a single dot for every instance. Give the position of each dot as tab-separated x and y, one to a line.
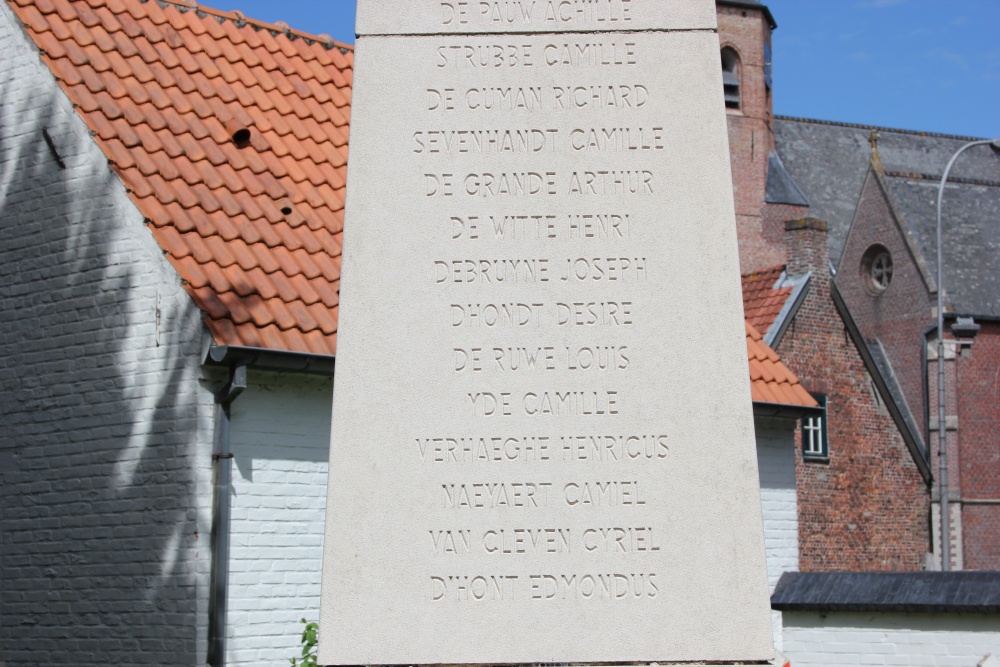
542	442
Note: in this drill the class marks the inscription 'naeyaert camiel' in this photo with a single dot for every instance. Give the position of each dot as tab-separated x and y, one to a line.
581	495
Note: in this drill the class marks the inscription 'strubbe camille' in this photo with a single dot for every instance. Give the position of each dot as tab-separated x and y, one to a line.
541	448
510	587
567	54
558	14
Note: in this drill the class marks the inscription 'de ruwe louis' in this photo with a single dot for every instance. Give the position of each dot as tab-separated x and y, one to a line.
535	174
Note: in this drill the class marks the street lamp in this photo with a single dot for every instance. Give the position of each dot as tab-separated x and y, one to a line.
942	430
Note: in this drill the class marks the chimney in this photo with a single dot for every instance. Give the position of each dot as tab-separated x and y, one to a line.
808	249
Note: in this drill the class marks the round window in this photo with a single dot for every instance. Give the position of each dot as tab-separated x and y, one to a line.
876	269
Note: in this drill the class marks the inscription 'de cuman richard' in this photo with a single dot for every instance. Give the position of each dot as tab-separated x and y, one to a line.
542	442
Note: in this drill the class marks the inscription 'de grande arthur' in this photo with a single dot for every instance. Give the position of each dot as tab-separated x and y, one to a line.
519	173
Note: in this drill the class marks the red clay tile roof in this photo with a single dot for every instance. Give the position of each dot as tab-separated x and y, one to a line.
254	231
761	302
770	380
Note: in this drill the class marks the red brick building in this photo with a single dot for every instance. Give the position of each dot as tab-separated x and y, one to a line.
862	471
840	220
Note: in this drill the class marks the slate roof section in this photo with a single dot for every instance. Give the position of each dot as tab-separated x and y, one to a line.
927	592
970	233
881	361
781	187
829	162
770	380
254	231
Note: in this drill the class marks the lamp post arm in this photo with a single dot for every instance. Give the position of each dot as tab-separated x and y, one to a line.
942	428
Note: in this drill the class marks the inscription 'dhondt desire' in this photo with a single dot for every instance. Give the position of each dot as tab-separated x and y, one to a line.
532	459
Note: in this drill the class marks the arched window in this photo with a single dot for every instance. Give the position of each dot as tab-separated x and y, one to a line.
731	77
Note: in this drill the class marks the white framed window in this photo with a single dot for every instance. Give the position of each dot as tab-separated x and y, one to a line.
815	443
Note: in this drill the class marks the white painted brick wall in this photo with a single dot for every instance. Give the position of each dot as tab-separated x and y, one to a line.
281	445
105	429
834	639
776	466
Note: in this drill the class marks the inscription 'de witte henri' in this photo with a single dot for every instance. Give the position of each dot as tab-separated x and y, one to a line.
538	463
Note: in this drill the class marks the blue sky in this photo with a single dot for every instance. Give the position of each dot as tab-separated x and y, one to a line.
931	65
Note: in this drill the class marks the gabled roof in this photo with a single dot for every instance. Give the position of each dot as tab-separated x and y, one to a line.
252	227
829	162
762	298
770	380
771	298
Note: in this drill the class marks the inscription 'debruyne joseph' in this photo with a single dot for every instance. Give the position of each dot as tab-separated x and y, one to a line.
520	213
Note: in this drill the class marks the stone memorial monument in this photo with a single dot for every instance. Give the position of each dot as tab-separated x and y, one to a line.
542	444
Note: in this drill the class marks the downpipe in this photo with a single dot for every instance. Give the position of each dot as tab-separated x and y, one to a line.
222	464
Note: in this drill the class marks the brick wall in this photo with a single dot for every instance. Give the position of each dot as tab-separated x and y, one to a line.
899	315
750	137
866	509
978	373
105	431
946	640
281	446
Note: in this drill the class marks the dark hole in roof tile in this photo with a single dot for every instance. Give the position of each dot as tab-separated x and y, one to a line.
241	137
